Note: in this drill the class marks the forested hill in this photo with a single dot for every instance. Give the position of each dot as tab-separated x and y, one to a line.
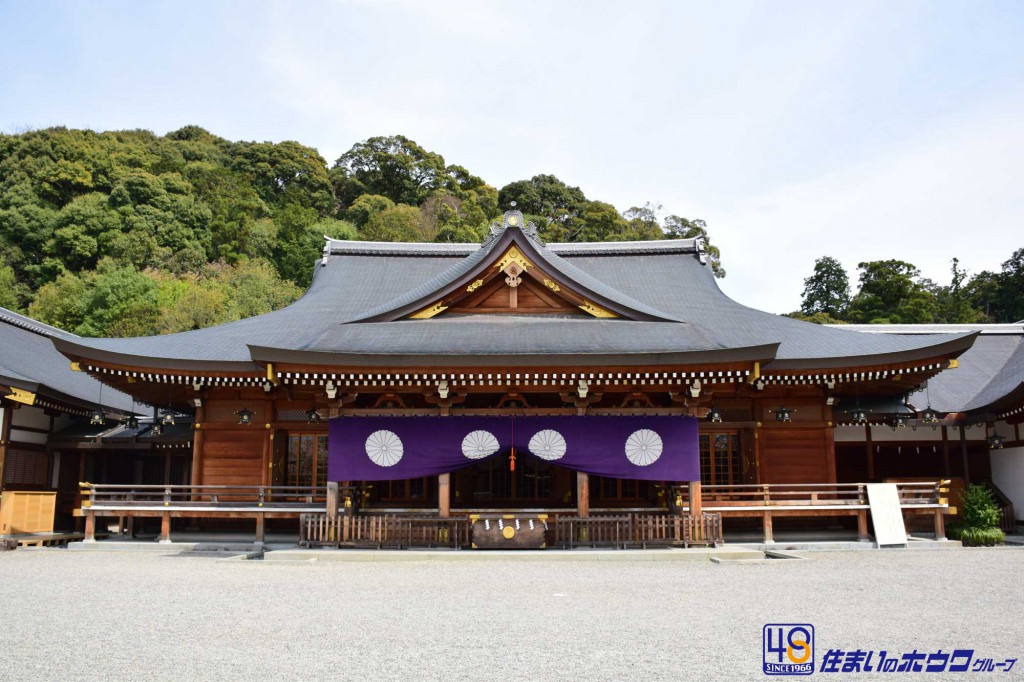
128	233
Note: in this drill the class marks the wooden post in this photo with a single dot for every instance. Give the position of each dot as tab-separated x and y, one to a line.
260	529
767	521
167	466
870	451
940	525
5	436
582	494
444	495
332	499
165	527
90	526
945	453
267	456
696	500
862	525
963	454
197	446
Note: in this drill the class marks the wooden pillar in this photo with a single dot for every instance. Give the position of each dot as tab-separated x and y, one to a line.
862	525
963	454
945	453
165	527
940	525
5	437
582	494
197	446
870	452
767	522
696	499
90	526
444	495
260	529
332	499
167	466
268	444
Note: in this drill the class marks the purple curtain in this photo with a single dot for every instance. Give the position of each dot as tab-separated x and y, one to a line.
383	448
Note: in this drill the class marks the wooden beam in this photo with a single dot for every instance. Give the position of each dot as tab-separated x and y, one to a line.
444	495
582	494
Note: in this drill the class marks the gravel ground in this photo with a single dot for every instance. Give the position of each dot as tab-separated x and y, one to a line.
142	616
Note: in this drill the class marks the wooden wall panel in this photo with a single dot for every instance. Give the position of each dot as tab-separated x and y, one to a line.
232	457
795	455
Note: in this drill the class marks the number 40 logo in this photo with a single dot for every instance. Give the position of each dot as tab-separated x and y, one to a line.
788	648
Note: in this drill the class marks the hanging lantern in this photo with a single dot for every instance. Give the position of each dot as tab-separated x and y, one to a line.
714	415
995	442
167	418
898	422
313	417
132	422
930	416
784	414
156	429
244	416
97	418
859	416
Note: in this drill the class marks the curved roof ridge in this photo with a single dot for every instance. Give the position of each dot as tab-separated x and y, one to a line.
34	326
339	247
693	245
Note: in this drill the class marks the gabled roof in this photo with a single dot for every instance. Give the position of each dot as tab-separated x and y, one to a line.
29	361
477	264
665	298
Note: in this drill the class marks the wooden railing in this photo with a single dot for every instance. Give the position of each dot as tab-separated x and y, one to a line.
381	531
816	500
197	501
102	496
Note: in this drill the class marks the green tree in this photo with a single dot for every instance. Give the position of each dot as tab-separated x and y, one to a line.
891	292
399	223
953	304
366	206
556	204
827	290
12	293
393	166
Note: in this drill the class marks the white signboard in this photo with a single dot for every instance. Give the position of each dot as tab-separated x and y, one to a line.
886	516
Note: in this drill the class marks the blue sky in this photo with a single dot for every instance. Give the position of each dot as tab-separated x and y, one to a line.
858	130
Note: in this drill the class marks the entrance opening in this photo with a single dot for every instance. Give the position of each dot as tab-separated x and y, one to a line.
534	483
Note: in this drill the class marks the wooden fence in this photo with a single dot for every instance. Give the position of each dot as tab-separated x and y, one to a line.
398	531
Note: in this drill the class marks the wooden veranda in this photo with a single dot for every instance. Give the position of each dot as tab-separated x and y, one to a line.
696	516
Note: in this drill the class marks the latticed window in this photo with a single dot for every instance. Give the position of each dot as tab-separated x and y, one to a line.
307	459
721	460
25	468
